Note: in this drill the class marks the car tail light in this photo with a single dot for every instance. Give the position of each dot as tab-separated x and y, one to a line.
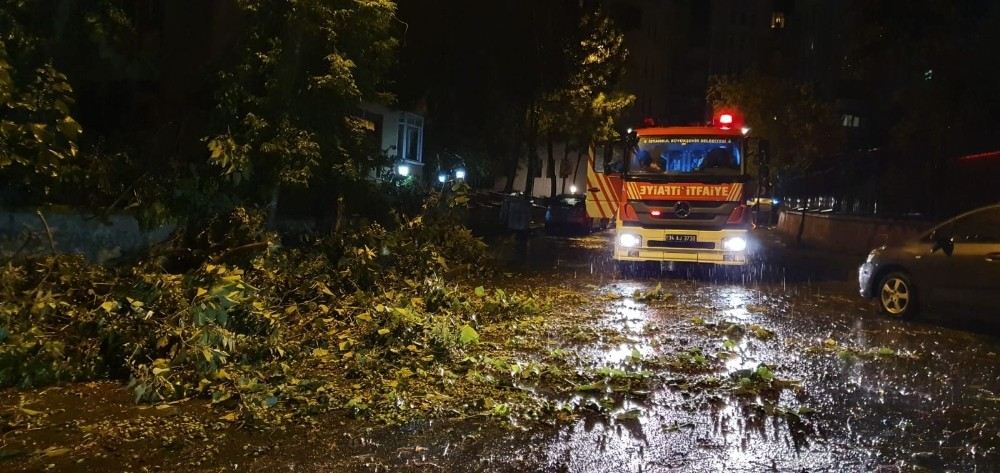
738	215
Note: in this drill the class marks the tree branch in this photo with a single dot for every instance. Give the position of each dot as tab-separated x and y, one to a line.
48	231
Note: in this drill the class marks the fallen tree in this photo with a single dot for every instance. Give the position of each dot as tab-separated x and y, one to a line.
361	321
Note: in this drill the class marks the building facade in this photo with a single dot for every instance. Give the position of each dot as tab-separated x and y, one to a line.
399	135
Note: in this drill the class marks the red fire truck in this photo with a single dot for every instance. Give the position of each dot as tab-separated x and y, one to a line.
677	194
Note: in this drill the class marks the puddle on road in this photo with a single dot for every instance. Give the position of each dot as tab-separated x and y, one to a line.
874	392
704	430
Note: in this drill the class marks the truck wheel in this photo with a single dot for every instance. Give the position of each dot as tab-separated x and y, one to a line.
896	296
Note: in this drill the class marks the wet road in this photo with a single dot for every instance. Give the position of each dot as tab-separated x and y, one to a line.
782	368
869	393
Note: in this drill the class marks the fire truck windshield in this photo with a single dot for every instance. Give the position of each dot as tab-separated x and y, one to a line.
692	155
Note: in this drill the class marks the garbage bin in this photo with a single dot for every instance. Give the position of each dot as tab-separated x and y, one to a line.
515	212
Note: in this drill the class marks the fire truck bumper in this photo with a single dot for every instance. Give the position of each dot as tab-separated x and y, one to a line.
721	247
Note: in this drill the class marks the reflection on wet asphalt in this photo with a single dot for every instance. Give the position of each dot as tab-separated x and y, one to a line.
872	393
845	389
778	368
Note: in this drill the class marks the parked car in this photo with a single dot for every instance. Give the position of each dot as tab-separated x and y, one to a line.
568	213
955	265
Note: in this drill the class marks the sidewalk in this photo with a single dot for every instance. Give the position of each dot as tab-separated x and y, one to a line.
802	262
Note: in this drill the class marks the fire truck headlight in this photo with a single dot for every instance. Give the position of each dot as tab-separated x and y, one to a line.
734	244
628	240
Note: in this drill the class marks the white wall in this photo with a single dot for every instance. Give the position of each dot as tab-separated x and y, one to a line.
390	132
542	185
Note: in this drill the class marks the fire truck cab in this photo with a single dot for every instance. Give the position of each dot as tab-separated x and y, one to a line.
678	194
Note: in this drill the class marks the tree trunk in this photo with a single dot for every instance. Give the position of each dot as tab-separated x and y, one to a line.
802	227
338	222
551	166
514	161
565	172
532	142
272	207
576	170
508	187
327	216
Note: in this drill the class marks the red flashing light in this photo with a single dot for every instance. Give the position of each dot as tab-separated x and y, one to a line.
727	120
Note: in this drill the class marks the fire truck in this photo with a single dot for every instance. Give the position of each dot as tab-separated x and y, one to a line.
678	194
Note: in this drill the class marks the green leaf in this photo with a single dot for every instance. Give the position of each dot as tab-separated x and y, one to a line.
631	414
109	306
590	387
765	373
69	127
320	352
480	291
635	355
55	451
467	335
30	412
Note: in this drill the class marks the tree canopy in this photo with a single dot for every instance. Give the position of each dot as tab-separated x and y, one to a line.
528	71
801	126
188	113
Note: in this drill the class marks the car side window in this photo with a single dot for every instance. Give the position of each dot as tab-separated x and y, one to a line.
944	231
980	227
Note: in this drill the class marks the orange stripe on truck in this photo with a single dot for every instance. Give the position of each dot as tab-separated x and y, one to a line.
608	201
594	197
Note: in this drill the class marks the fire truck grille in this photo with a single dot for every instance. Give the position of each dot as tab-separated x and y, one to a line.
705	245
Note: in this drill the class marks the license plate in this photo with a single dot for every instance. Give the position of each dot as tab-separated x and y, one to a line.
684	238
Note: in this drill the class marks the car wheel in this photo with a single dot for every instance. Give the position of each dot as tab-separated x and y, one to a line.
896	296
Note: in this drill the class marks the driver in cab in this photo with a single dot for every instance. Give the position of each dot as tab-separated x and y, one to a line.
648	164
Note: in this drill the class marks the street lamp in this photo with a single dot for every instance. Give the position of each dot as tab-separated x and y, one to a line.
460	173
572	189
442	178
403	170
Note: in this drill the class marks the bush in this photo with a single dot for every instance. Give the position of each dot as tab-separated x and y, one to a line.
282	326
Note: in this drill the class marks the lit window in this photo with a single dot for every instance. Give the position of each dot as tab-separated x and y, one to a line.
850	121
777	20
410	141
